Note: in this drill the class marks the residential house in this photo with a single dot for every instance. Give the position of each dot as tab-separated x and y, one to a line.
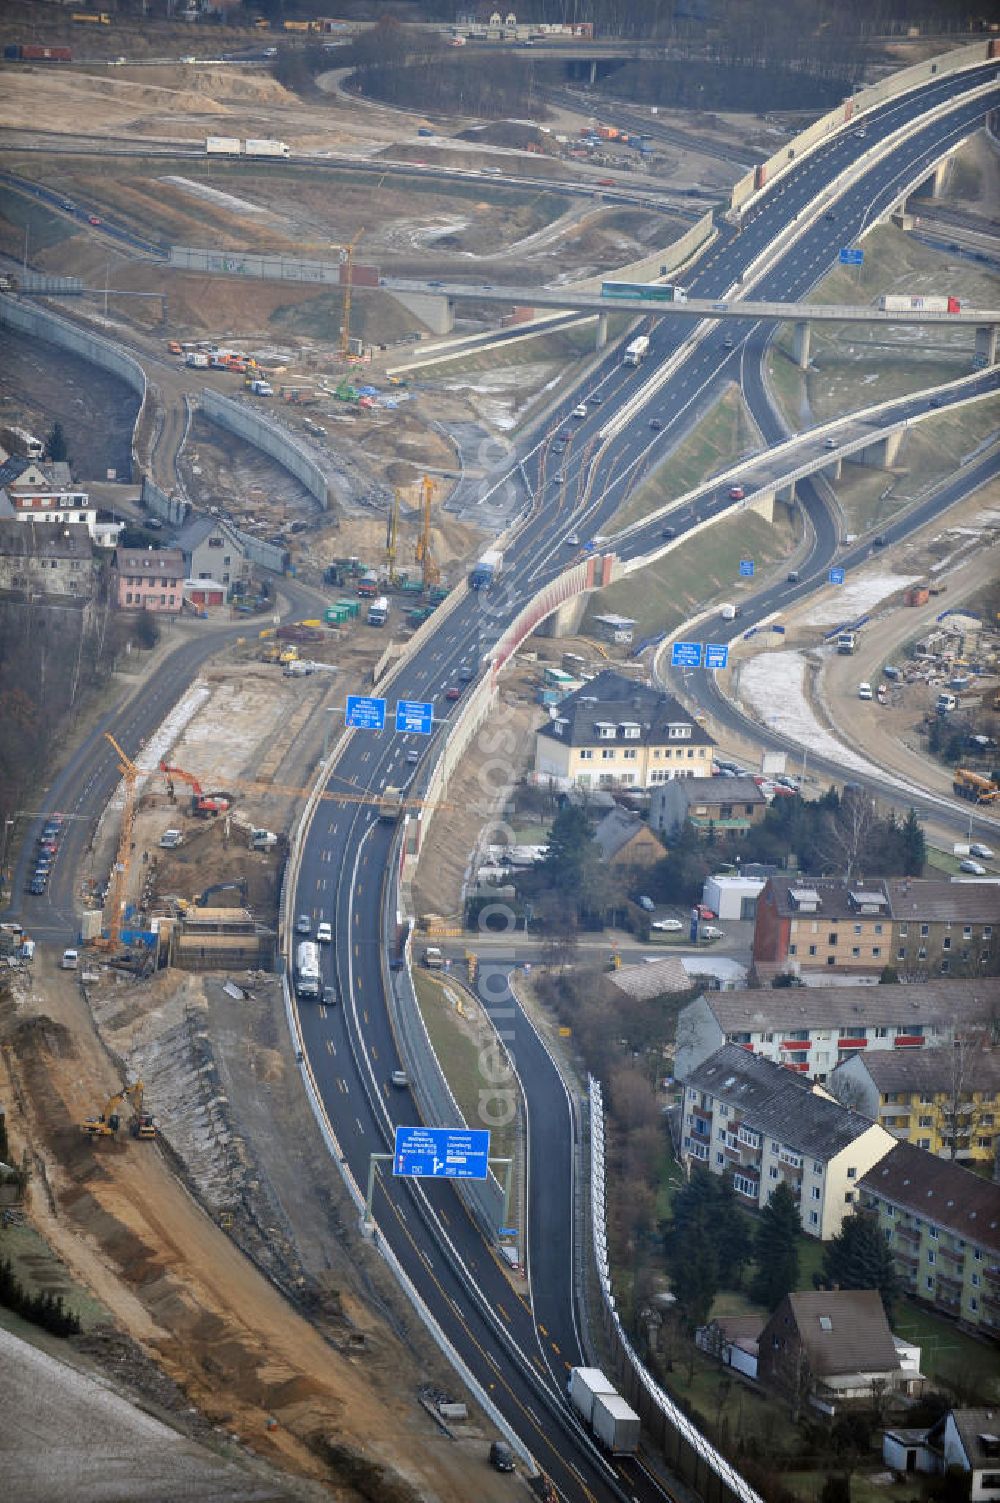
944	928
757	1124
38	559
724	806
616	733
148	579
627	842
811	1030
733	1339
945	1100
40	492
650	980
942	1223
214	551
970	1439
834	1347
807	923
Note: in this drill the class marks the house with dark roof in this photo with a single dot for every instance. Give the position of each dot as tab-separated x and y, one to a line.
968	1439
920	927
830	1347
617	733
626	841
758	1125
812	1029
150	579
214	551
724	806
39	559
945	1100
942	1223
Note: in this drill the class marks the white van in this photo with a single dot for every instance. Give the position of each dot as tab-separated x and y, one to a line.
864	690
70	960
729	612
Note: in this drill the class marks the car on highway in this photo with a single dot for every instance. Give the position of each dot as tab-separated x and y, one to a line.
983	851
93	219
668	532
37	886
860	133
580	411
792	576
303	924
399	1078
559	477
412	755
435	284
330	996
453	693
829	443
573	540
667	926
605	182
736	492
595	399
879	540
68	205
324	933
656	424
974	868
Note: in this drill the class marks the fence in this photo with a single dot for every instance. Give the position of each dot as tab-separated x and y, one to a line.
684	1448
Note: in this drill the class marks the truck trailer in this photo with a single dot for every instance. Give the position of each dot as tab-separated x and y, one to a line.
222	146
892	302
308	982
615	1424
265	148
636	352
486	569
585	1383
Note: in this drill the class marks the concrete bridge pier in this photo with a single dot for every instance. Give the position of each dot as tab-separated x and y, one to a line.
601	335
763	504
438	313
932	186
565	621
881	455
800	348
785	494
593	70
986	345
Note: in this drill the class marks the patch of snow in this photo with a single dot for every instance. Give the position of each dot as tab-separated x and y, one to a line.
851	600
215	195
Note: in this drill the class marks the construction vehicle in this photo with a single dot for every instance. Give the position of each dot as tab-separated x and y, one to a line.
975	787
240	886
117	887
424	555
107	1124
203	804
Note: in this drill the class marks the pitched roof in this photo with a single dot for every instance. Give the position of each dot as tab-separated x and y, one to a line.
975	1426
12	468
645	982
926	901
778	1102
942	1068
150	561
791	894
843	1331
775	1010
6	509
26	539
200	526
617	828
716	790
616	700
938	1191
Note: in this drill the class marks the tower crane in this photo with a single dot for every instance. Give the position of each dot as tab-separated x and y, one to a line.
424	556
347	273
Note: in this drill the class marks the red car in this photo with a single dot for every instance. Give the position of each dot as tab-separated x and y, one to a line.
454	692
704	912
736	493
93	219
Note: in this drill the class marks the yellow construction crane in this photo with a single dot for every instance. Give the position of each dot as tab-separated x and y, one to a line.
391	536
425	558
347	272
118	886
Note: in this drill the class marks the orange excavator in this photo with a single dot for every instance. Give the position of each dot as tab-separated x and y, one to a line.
205	804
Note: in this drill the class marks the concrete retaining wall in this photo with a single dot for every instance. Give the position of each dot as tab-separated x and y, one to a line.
867	99
41	323
262	431
661	263
685	1449
171	509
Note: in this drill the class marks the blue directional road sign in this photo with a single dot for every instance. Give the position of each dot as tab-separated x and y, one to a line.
836	576
415	715
716	655
441	1153
852	256
746	568
685	655
364	713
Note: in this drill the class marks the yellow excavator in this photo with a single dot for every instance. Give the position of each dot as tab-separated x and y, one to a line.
106	1125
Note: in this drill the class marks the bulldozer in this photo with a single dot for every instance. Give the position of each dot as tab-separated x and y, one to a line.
107	1124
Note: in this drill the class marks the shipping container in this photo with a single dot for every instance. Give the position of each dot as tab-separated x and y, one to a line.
226	146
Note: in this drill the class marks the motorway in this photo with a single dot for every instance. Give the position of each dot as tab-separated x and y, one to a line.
345	856
519	1350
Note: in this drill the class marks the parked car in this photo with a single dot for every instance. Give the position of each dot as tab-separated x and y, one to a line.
981	850
975	868
324	933
646	904
704	912
501	1456
709	931
667	926
303	924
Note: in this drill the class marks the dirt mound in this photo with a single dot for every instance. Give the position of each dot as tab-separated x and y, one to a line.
518	133
41	1033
